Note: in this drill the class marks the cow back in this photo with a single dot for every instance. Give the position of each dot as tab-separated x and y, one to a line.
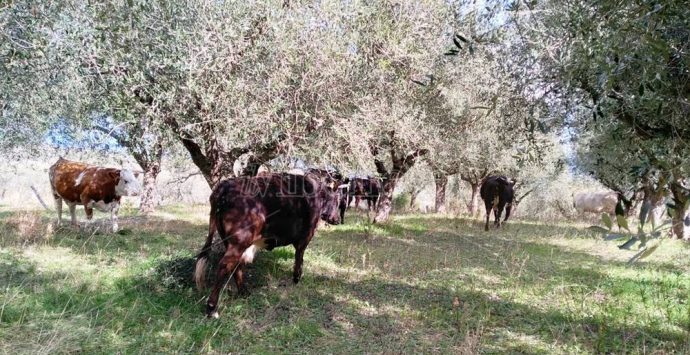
292	203
497	187
596	202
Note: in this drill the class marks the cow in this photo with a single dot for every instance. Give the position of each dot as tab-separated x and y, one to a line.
97	187
609	202
262	212
334	180
372	188
497	193
596	202
367	188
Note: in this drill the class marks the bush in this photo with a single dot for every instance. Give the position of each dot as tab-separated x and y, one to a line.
401	202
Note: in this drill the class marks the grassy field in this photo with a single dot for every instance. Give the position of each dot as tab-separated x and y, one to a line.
421	283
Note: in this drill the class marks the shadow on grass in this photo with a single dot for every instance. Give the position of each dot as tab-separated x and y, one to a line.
139	237
400	308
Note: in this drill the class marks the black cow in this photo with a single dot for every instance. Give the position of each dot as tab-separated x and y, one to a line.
365	188
497	193
335	180
267	211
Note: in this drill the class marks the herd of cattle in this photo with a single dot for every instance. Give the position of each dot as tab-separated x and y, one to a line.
262	212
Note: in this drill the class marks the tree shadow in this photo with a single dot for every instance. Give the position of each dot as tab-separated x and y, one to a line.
399	308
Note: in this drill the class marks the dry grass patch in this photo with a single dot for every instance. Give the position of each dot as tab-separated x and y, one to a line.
26	227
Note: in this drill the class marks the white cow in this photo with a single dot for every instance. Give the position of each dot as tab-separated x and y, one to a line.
596	202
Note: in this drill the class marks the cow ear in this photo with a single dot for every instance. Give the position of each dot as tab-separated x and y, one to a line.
115	175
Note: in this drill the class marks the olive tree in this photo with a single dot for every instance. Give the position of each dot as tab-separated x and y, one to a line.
627	64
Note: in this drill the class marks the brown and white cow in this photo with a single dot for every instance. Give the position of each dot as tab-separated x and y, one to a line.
91	186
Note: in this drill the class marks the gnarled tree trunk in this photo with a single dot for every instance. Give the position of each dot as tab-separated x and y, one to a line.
474	178
473	206
401	164
149	192
441	181
413	198
385	205
654	195
681	200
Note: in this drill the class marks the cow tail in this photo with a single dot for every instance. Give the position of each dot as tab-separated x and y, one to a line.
202	257
200	272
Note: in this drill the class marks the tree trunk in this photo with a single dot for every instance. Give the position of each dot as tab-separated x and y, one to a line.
680	210
473	206
401	164
441	181
149	191
655	195
413	198
385	200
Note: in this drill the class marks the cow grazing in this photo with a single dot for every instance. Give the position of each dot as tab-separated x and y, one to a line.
497	193
596	202
91	186
262	212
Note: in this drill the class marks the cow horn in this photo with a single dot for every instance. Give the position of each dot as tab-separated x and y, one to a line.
343	186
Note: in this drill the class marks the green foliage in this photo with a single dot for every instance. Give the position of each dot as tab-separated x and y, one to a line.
401	202
641	236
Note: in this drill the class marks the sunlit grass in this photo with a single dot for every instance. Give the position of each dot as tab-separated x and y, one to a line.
419	283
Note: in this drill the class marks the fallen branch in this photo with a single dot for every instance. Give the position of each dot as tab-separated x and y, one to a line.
39	198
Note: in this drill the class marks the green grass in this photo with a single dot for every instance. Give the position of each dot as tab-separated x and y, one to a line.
420	283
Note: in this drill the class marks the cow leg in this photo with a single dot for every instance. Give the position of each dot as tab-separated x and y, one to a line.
488	206
113	216
227	264
73	213
239	237
58	208
499	211
509	207
299	256
89	210
497	222
239	280
357	200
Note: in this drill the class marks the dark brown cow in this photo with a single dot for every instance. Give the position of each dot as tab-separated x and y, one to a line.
365	188
262	212
91	186
497	193
333	179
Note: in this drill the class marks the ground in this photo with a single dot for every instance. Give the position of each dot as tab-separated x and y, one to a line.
420	283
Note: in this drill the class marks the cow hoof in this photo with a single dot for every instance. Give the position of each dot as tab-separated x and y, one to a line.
213	315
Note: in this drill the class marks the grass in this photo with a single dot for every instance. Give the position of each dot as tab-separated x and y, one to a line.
421	283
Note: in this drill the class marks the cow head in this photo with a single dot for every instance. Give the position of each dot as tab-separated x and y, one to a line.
128	184
330	211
